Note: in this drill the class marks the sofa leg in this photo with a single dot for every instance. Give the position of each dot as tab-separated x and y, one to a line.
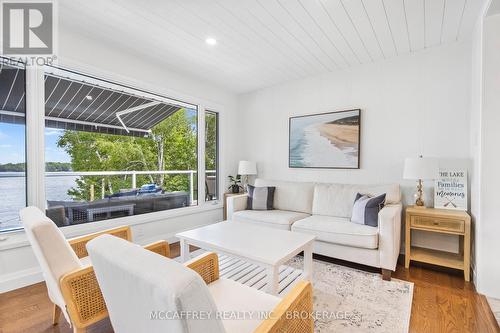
386	274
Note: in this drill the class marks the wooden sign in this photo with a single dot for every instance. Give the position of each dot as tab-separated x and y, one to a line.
450	190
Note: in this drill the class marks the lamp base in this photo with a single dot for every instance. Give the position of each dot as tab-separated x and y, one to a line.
419	202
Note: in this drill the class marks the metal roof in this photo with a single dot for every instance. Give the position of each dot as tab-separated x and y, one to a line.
78	105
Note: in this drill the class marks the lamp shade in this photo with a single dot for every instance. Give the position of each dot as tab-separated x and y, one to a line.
421	168
247	168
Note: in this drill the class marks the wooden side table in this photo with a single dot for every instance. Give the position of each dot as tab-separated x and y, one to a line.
445	221
226	195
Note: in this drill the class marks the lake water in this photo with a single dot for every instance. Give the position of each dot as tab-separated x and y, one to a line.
13	195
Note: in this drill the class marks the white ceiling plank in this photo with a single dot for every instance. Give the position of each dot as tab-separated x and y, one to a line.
375	13
434	19
283	38
200	28
282	14
244	19
414	10
133	26
272	22
365	29
230	31
265	42
315	32
396	19
452	20
192	47
341	19
317	12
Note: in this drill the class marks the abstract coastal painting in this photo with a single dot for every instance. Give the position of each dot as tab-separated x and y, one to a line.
326	140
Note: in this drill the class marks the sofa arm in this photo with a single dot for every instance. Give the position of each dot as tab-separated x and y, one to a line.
236	203
293	313
389	243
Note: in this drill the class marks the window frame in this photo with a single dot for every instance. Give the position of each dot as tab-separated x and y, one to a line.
217	155
35	143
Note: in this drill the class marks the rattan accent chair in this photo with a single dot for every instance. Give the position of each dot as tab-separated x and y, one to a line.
66	267
168	297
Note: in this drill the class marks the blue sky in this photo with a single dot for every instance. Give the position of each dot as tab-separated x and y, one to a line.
12	144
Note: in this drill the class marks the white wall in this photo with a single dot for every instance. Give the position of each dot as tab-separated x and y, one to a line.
488	231
475	139
411	105
18	266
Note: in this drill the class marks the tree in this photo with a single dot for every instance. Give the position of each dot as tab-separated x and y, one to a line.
210	141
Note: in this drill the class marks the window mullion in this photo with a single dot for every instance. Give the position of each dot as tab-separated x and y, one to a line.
201	155
35	139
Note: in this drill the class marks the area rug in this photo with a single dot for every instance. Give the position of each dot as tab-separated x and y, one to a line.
350	300
345	299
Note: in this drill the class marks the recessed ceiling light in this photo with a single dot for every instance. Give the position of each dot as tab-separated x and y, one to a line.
88	97
211	41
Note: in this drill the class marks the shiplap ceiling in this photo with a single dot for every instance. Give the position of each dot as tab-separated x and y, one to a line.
266	42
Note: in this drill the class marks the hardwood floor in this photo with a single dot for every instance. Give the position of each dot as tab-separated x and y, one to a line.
442	302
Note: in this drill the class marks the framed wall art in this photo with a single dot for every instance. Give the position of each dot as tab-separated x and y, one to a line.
326	140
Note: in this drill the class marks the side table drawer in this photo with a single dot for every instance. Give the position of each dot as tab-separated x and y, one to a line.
437	223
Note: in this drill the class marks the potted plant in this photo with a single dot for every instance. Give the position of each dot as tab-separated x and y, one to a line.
235	184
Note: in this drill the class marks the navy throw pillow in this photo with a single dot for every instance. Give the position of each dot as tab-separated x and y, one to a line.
366	209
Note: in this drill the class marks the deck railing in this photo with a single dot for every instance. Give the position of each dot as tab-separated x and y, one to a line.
133	175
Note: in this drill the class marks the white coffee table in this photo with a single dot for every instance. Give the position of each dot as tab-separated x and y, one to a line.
262	246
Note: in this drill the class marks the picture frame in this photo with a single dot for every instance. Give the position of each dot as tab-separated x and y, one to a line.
329	140
450	189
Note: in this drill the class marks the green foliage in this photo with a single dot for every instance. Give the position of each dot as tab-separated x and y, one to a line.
57	166
210	141
172	145
13	167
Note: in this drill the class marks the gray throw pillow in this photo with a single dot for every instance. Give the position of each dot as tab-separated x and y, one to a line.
366	209
260	198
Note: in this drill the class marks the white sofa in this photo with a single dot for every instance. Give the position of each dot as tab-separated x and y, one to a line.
324	210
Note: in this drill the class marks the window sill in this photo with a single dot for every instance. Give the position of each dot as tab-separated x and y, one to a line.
16	239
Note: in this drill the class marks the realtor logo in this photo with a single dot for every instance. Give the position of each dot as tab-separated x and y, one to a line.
27	28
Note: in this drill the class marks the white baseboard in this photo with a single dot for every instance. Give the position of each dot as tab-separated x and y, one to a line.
20	279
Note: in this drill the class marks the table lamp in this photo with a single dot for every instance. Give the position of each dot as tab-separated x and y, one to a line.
420	169
245	169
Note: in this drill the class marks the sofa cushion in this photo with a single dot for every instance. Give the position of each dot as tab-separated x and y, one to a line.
280	219
338	231
232	297
293	196
337	199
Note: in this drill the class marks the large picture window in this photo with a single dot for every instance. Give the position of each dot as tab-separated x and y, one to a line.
12	145
112	151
